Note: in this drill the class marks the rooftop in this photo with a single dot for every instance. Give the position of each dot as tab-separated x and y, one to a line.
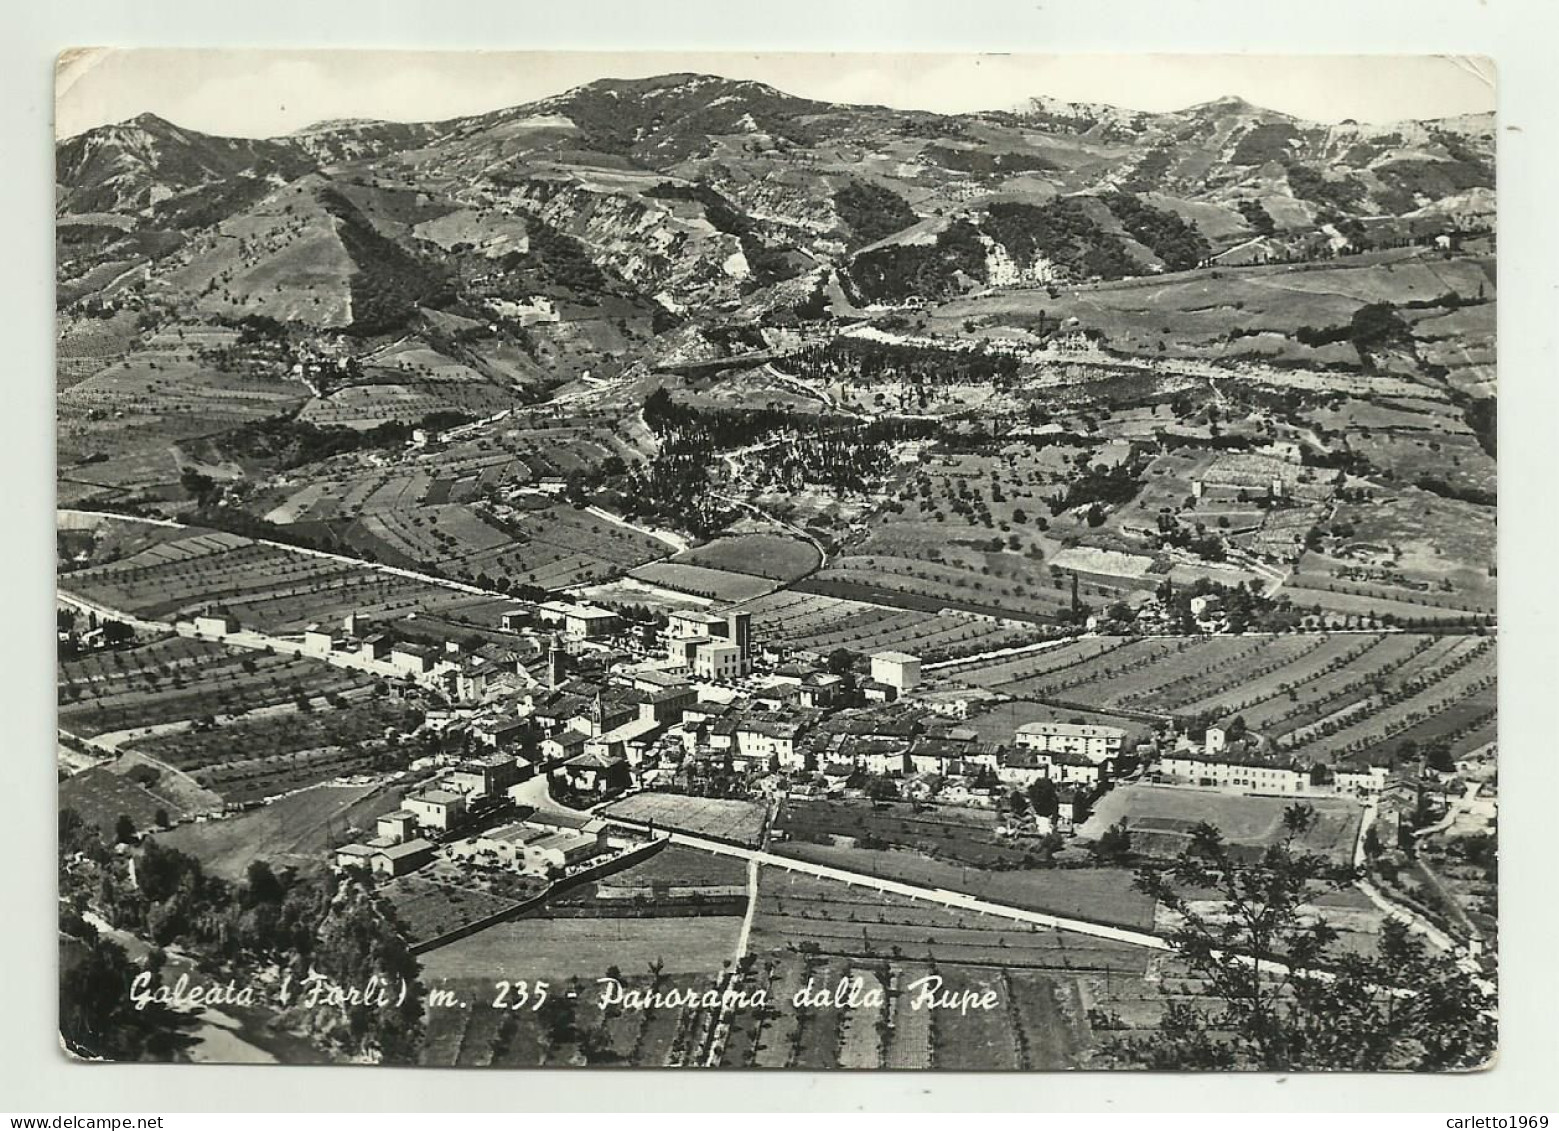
1071	730
407	848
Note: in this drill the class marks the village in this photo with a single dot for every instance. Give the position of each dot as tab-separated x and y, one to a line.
583	708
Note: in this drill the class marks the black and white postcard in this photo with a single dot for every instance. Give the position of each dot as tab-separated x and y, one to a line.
777	562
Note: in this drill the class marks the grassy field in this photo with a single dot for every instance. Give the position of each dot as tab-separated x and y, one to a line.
722	585
1161	817
102	796
1103	895
952	833
297	831
780	557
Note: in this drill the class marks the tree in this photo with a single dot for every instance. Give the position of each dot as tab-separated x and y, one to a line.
1044	798
124	829
840	661
1278	998
1439	759
1114	845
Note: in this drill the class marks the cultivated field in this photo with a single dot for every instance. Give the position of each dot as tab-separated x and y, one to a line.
821	624
175	680
573	1031
559	949
175	573
816	932
250	759
1327	695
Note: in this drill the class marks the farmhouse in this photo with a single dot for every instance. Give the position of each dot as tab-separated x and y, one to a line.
899	670
354	856
1232	770
593	772
411	659
398	859
579	622
318	641
216	622
437	809
1097	743
397	827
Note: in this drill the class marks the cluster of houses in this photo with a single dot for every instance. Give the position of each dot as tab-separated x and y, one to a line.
695	707
538	843
1243	766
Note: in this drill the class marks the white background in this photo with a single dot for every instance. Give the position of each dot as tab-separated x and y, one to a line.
1522	38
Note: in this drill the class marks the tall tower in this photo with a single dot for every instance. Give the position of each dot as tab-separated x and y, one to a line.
598	716
556	664
738	629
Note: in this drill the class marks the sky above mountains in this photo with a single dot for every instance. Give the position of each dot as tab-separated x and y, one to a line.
270	93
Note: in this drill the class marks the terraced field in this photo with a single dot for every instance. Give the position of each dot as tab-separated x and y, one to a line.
819	933
888	579
176	680
821	624
262	757
1324	696
272	588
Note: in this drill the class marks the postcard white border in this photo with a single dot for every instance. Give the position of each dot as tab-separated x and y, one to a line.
1518	35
